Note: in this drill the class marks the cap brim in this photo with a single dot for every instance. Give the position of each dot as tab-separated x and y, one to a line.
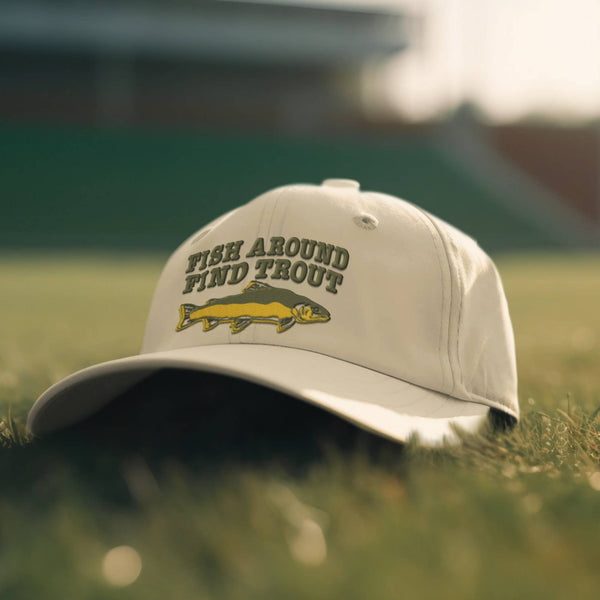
379	403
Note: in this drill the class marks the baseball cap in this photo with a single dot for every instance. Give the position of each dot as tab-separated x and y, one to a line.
356	301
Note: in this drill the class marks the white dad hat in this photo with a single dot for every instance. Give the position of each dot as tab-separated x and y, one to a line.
358	302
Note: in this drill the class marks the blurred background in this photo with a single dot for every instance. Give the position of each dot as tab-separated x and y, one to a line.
131	123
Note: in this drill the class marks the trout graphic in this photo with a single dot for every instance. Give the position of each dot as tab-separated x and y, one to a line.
257	303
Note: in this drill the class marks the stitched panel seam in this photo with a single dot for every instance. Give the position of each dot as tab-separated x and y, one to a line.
446	253
263	217
428	223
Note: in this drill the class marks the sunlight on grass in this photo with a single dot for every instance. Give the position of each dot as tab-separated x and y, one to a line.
121	566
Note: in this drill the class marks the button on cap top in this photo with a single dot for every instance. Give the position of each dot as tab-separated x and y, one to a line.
342	183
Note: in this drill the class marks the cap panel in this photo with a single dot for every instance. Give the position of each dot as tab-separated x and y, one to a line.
483	346
450	293
486	346
387	309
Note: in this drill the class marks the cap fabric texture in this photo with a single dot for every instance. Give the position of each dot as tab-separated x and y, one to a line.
358	302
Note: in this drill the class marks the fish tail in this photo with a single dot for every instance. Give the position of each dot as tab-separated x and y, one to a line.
185	310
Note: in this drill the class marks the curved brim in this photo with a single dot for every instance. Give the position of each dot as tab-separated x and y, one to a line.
379	403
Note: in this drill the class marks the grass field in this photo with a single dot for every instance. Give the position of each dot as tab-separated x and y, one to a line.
307	515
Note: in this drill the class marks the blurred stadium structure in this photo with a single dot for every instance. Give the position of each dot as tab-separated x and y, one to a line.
131	123
230	64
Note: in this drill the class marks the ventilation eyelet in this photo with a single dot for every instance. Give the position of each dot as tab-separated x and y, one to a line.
366	221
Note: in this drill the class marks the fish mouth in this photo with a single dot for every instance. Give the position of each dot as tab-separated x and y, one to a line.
308	314
321	318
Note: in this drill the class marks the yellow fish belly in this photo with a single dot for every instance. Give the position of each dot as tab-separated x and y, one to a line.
247	309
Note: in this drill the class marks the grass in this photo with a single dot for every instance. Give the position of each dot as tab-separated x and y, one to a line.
312	509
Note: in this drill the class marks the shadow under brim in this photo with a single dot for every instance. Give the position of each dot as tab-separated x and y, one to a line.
208	425
211	419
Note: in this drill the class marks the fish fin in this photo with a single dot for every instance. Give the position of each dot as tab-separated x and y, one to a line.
185	310
256	285
240	324
209	323
285	324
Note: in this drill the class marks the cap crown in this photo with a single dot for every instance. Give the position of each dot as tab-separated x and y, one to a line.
359	276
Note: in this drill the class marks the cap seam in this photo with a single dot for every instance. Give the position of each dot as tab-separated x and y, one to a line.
428	219
289	188
461	286
261	220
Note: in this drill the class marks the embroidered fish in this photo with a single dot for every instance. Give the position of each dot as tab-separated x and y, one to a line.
257	303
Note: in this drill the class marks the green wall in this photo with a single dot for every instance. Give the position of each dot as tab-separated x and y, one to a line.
80	187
